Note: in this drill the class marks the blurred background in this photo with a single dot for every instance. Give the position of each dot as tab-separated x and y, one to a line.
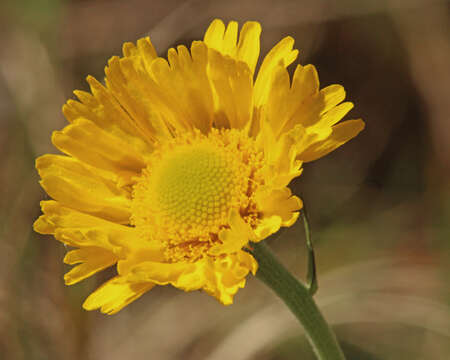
379	206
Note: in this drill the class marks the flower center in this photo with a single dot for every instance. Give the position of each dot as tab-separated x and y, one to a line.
184	196
195	186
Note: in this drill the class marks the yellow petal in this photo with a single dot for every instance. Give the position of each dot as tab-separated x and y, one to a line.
314	107
281	54
136	92
89	143
77	229
92	259
104	110
341	133
185	84
279	103
193	280
280	203
224	40
220	277
281	165
214	35
226	275
146	250
332	95
160	273
302	105
313	134
58	216
249	44
81	188
234	238
233	90
267	227
285	102
141	54
102	243
334	115
179	92
305	85
247	260
115	294
305	82
230	39
99	237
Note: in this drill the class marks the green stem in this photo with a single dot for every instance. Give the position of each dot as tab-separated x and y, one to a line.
299	300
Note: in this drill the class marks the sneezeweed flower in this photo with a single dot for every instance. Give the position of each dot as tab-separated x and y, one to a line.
173	167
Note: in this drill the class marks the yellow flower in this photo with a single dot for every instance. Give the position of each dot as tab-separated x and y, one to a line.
173	167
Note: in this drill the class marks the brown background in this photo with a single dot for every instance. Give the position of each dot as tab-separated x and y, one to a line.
379	206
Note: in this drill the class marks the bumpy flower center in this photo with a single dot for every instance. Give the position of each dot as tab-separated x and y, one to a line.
195	186
184	196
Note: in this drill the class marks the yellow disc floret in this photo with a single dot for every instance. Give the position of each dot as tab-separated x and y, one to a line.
195	186
184	196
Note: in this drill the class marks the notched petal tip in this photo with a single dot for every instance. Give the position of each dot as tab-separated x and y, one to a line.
279	208
341	133
91	260
215	32
234	238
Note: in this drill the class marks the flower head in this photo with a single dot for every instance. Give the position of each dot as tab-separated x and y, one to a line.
172	167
